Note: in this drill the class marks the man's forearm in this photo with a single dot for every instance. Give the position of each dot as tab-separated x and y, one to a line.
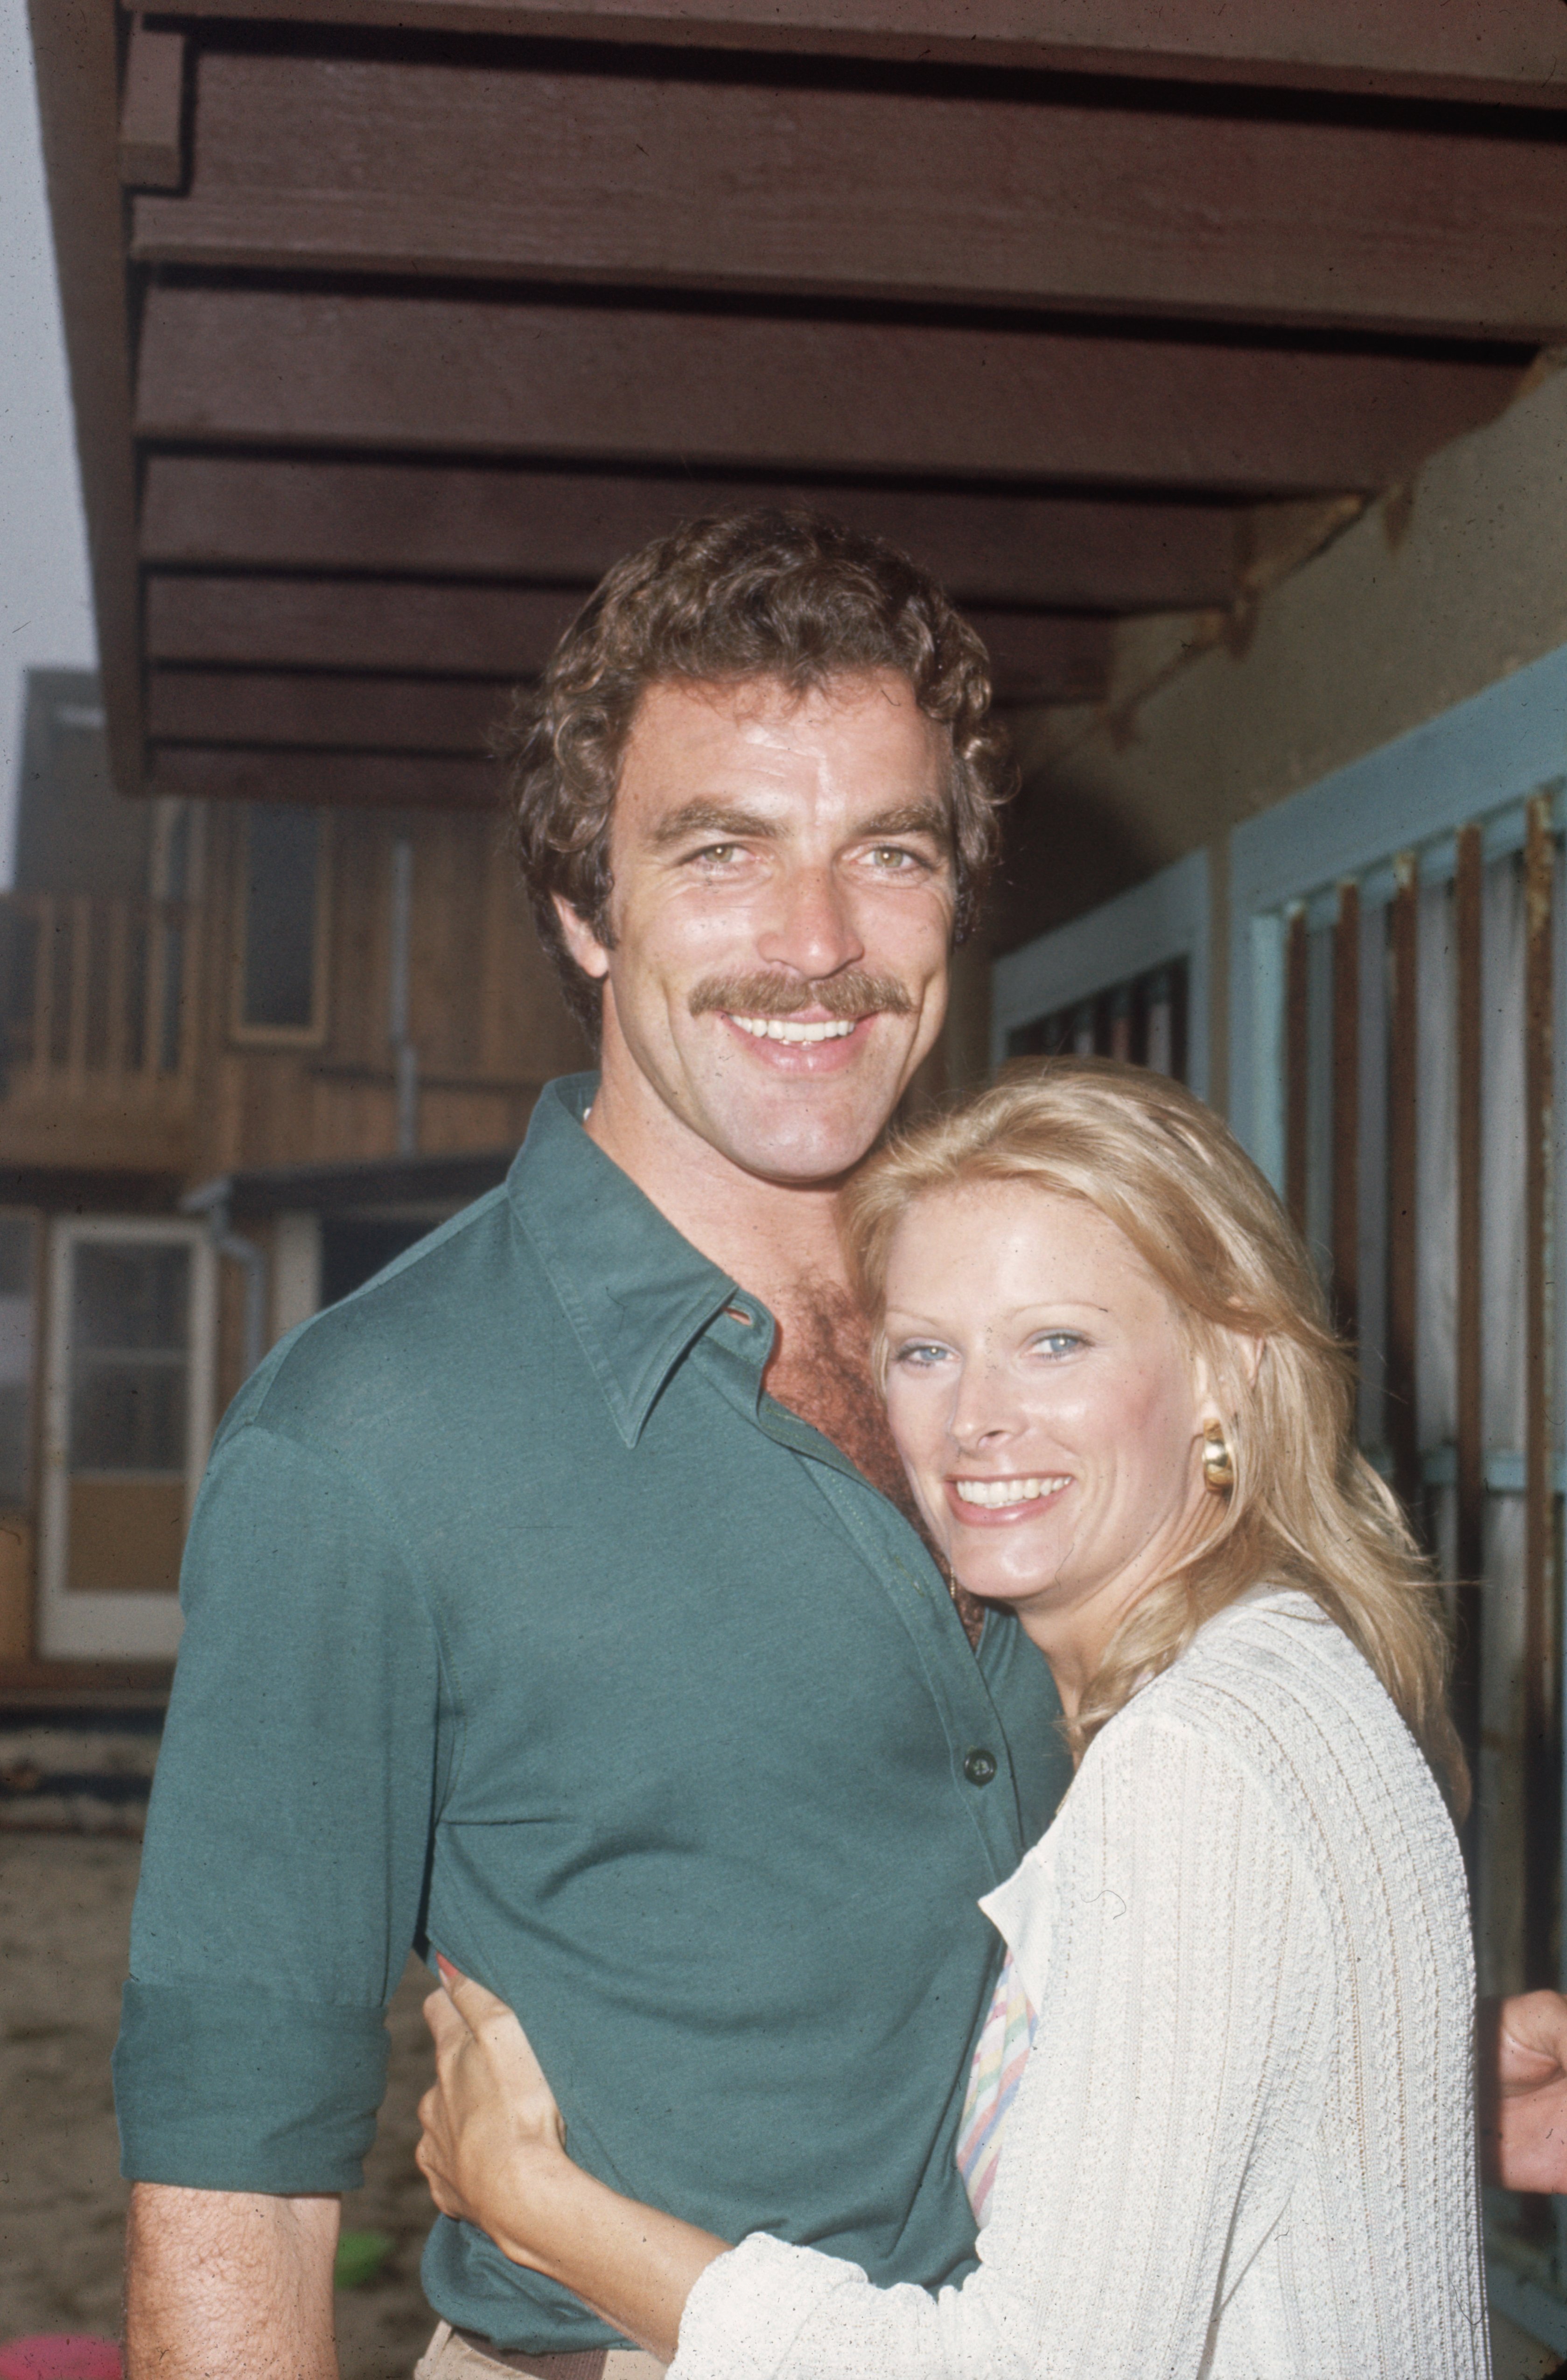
229	2285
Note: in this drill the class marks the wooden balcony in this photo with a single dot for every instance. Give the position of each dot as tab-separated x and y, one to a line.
96	1042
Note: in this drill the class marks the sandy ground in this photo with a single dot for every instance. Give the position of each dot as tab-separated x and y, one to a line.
65	1922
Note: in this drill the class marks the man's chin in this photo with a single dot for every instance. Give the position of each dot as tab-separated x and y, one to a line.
798	1150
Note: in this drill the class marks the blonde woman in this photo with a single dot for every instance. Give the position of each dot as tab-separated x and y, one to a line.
1242	2140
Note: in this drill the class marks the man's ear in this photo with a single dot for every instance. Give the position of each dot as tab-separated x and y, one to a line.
581	941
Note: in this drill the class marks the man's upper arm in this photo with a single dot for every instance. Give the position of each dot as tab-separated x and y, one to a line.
288	1838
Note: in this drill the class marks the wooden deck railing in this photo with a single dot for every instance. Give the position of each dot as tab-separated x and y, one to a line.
96	1046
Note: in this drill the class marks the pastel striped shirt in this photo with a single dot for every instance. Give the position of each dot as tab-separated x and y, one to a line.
1000	2055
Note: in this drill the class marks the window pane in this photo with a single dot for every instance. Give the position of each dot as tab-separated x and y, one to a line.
128	1417
129	1296
15	1356
283	861
129	1309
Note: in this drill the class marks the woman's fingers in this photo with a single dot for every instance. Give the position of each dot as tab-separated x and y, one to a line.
444	2019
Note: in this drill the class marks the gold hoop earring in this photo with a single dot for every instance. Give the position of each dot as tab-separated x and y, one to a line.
1218	1459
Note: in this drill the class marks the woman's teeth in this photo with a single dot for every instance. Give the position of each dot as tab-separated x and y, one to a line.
782	1028
996	1494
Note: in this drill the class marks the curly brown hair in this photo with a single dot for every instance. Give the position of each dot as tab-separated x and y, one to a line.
784	594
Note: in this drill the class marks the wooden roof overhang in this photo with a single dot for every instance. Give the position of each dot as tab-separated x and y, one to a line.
392	322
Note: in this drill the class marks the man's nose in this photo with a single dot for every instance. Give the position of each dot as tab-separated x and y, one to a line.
810	927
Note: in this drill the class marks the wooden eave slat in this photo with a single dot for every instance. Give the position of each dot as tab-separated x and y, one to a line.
357	780
274	623
355	164
1057	552
239	366
1475	50
321	712
352	624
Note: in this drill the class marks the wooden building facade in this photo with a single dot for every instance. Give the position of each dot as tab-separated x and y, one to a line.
348	1006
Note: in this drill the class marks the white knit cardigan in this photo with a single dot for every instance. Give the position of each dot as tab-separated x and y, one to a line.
1243	2146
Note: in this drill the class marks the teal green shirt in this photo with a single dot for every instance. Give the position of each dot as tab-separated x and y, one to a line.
521	1623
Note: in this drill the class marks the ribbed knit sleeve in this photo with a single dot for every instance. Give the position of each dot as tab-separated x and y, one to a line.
1178	2192
1181	2016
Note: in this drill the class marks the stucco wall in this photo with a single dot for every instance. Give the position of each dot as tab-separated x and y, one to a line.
1435	592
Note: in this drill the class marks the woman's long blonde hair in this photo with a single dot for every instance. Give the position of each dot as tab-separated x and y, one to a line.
1307	1509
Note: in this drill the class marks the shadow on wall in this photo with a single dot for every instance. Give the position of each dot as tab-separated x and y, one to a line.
1063	853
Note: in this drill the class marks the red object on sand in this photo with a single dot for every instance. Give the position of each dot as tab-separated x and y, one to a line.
60	2355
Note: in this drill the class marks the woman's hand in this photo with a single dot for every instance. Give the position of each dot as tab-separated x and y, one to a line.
493	2153
493	2144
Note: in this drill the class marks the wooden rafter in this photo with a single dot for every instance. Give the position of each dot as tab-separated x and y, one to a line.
383	165
1475	50
401	626
1059	551
285	366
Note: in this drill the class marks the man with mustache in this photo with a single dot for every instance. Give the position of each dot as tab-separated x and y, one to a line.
553	1603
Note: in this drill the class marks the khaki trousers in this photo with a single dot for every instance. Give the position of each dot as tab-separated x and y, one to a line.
452	2355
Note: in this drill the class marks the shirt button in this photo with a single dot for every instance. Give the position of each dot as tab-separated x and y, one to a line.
980	1765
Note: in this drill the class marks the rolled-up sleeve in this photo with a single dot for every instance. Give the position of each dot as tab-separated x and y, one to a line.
288	1834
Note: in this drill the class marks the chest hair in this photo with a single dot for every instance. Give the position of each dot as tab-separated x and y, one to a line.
820	1370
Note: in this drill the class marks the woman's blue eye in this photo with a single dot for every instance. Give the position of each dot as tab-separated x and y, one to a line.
920	1353
1059	1342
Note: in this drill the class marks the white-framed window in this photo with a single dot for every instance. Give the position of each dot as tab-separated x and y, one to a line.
1130	979
128	1392
1398	1032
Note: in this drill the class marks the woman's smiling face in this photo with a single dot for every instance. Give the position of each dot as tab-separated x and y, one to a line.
1046	1404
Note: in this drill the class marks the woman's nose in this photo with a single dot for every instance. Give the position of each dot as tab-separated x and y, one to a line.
983	1414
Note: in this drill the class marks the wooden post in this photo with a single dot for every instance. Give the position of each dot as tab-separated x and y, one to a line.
41	909
1403	1053
118	1057
1346	1112
1542	1763
1297	1063
1467	886
80	909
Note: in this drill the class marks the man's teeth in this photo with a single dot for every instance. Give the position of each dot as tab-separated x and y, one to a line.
995	1494
784	1028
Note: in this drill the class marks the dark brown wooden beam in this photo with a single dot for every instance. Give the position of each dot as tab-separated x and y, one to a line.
1459	49
355	624
1297	1067
361	713
352	780
504	632
232	367
1346	1113
1542	1627
1400	1405
1468	894
355	165
151	146
1058	553
76	69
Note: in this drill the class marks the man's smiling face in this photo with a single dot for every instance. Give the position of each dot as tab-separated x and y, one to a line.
781	916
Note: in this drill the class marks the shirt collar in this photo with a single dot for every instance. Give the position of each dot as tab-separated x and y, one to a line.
635	1292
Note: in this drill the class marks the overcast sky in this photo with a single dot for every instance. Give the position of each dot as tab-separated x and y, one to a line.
46	610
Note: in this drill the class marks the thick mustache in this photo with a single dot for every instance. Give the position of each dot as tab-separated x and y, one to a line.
851	994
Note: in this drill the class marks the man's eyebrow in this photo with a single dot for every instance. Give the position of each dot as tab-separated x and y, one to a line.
909	818
714	818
